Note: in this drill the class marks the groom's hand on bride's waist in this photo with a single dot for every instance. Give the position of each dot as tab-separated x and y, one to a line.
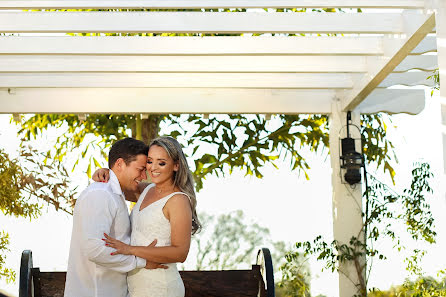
153	265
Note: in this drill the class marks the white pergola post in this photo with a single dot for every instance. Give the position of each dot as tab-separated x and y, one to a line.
347	200
440	18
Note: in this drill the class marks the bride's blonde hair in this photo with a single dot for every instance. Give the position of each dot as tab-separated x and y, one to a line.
183	177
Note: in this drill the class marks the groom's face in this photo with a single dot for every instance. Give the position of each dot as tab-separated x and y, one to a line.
133	173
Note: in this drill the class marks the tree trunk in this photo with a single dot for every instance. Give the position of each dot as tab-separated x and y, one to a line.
150	128
146	129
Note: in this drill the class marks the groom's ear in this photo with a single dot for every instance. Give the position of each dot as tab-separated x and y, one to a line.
119	164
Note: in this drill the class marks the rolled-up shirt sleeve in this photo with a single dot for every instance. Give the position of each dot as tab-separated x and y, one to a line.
97	212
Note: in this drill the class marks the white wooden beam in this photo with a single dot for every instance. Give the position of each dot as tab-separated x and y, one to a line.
419	62
65	63
196	4
177	80
202	22
108	63
166	101
416	31
393	101
178	45
428	44
193	100
415	78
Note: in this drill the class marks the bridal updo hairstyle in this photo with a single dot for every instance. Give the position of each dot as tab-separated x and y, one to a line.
183	177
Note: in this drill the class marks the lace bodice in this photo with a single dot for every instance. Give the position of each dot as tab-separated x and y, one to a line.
150	223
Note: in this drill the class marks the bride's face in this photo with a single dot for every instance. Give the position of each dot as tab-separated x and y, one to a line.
160	166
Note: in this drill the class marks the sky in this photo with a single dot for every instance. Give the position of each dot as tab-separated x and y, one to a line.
293	208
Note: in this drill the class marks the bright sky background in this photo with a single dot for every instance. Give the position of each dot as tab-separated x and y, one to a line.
293	208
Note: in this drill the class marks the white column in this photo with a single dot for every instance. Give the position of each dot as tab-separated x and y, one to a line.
347	200
440	19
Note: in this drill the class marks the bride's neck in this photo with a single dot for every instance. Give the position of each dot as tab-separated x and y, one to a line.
167	186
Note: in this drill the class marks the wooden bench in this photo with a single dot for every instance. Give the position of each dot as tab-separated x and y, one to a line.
259	281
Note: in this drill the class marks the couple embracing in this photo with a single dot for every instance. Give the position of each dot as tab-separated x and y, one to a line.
114	255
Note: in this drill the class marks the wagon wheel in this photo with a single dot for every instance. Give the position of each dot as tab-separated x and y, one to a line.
26	282
266	269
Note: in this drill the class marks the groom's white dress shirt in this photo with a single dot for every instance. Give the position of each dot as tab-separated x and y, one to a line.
92	271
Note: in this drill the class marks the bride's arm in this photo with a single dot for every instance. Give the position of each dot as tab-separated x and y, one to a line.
180	216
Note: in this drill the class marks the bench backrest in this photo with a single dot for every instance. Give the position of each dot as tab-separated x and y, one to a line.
257	282
227	283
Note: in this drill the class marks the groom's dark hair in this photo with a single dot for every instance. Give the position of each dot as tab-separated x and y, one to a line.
127	149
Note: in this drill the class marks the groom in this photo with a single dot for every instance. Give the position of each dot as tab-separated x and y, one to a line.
101	208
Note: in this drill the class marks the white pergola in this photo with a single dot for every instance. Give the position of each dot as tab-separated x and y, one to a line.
361	62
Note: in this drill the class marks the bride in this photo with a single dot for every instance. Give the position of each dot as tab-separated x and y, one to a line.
163	215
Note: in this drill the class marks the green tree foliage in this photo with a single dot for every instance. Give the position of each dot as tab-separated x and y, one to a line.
421	287
5	272
248	143
296	277
377	148
435	77
387	211
11	203
245	142
74	133
25	184
238	141
12	181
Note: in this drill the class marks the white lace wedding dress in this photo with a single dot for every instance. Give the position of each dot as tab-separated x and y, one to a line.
149	224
